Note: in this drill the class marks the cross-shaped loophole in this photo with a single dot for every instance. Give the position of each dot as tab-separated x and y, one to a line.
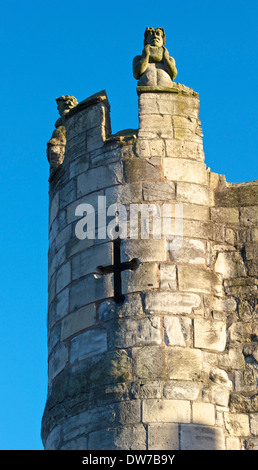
117	268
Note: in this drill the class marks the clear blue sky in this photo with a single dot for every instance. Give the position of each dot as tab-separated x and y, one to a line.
53	48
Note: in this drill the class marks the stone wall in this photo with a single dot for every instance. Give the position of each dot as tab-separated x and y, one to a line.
174	366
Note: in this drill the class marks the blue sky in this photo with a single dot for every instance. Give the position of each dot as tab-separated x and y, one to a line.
53	48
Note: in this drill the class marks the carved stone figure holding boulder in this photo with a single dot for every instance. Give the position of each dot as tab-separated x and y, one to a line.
154	67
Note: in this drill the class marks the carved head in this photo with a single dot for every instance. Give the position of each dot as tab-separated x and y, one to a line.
155	37
65	103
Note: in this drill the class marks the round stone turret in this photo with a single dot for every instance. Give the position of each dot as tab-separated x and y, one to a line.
150	295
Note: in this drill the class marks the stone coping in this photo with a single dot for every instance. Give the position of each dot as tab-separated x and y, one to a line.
176	88
90	101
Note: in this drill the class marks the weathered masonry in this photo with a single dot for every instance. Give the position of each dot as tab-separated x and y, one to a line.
152	344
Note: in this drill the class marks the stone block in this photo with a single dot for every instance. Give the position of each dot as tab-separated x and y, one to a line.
150	148
254	424
185	122
166	411
198	229
245	381
75	148
184	149
193	193
190	135
137	169
176	331
171	302
179	169
98	178
144	250
57	361
145	222
58	259
74	126
105	156
209	334
85	422
52	289
54	338
203	413
53	208
113	367
233	358
58	224
78	321
130	333
63	237
232	443
78	166
126	438
88	344
63	277
230	264
192	252
132	306
249	215
125	194
92	199
247	235
216	394
67	193
159	125
144	278
194	279
168	277
165	105
80	443
240	332
237	424
181	390
186	105
220	376
142	390
225	215
149	362
148	104
90	289
95	138
195	212
158	191
184	363
54	439
224	305
75	245
127	412
197	437
163	436
93	116
61	305
88	261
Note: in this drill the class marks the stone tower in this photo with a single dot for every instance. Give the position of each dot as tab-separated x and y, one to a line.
152	321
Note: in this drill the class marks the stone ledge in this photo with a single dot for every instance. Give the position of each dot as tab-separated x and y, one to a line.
176	88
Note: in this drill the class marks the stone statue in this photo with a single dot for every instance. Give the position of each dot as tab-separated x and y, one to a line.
154	67
56	145
64	104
